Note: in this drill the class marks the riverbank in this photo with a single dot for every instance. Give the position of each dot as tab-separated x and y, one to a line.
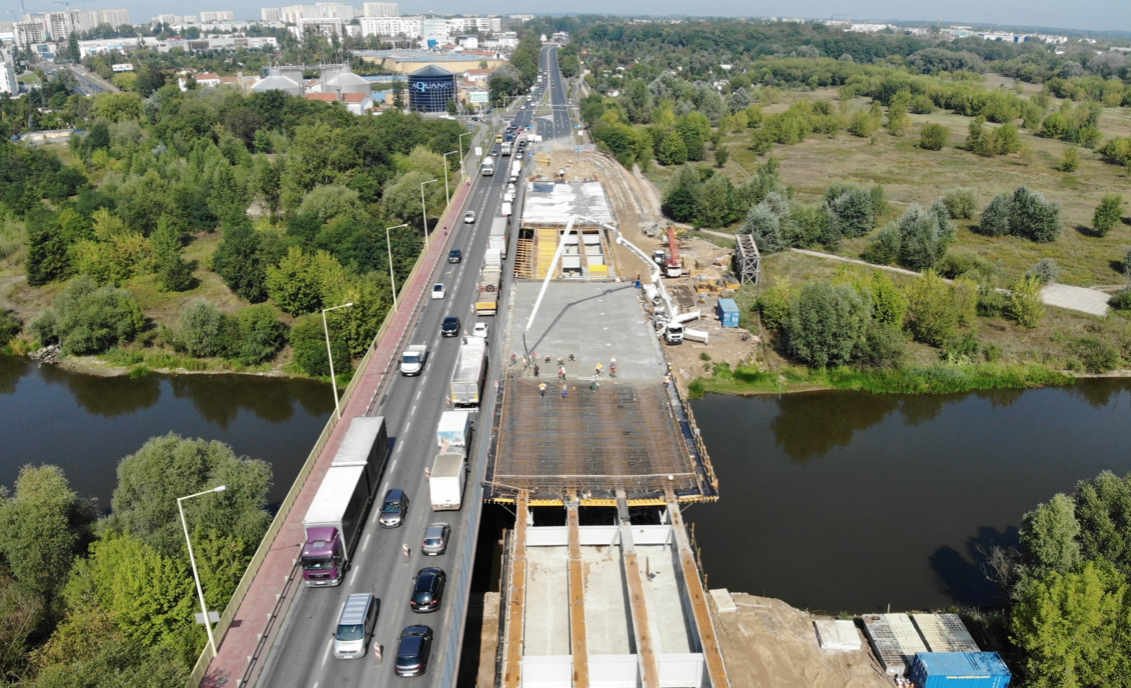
936	379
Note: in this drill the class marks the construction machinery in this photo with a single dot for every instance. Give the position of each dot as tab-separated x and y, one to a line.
673	266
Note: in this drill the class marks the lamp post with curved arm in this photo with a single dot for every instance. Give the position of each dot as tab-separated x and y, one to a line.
447	194
460	141
424	210
192	562
330	356
389	249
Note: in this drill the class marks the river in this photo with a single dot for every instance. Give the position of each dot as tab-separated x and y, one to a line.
86	424
846	501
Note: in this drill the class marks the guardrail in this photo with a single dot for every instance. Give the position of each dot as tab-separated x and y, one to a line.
200	669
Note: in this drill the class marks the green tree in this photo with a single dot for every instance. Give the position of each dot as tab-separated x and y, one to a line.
898	122
307	338
43	525
672	151
1034	218
87	318
47	256
934	137
1049	538
174	272
1006	140
889	305
765	226
960	204
164	468
679	202
1026	306
694	128
923	237
933	311
261	335
774	304
1070	159
204	331
1103	508
713	202
995	217
851	211
1108	213
827	322
239	259
863	124
721	156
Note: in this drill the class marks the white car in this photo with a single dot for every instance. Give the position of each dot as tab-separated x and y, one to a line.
469	217
437	291
480	330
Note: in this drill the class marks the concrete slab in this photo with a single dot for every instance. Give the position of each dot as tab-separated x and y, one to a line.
723	601
594	321
546	624
1076	298
671	629
607	617
587	199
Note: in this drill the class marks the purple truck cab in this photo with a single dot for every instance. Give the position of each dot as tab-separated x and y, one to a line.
322	557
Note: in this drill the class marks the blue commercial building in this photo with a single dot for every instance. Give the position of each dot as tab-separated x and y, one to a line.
430	89
959	670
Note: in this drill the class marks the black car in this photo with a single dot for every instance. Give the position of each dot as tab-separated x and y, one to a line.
394	508
450	326
412	655
455	255
427	590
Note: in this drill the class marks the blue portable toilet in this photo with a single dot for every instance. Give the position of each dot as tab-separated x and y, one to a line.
959	670
728	312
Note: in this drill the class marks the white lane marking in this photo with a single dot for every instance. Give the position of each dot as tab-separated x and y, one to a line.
366	543
414	409
407	426
329	650
393	465
353	575
417	396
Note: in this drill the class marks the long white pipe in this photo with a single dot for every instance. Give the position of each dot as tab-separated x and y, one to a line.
550	272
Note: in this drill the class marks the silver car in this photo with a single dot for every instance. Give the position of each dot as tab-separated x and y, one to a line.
435	539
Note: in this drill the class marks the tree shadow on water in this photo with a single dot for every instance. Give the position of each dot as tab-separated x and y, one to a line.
106	396
219	398
963	577
811	425
12	368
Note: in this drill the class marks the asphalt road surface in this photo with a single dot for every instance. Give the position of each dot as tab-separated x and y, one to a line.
301	654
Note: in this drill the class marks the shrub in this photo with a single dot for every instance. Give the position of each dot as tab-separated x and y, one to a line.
882	347
261	334
9	327
1045	271
87	318
933	310
995	217
203	331
883	249
863	124
774	304
957	263
960	203
309	344
1024	214
934	137
1026	306
1070	159
851	211
1121	300
916	241
960	349
1096	355
1126	263
1107	214
765	227
827	322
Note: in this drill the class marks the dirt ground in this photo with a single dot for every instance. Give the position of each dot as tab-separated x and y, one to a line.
769	643
636	204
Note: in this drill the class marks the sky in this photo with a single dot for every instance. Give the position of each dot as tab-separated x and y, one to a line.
1089	15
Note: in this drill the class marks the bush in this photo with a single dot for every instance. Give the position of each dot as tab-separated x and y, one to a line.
882	347
1121	300
1097	356
933	310
87	318
204	331
1108	213
1026	306
960	203
827	322
851	210
934	137
774	304
765	227
956	263
1070	160
1024	214
1045	271
9	327
309	343
261	334
916	241
1126	263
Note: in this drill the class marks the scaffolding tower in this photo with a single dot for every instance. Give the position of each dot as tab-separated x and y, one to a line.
748	262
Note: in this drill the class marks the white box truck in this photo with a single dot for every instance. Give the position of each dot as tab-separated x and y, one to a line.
498	237
446	480
454	429
470	369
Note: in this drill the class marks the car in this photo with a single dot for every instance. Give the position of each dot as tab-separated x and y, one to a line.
394	508
427	590
355	625
435	539
480	330
450	327
510	189
455	256
438	291
495	153
523	106
469	217
412	655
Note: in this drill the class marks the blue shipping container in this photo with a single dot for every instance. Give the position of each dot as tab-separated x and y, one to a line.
728	312
959	670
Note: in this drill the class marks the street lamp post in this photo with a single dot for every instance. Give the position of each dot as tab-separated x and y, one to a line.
447	194
461	172
424	210
389	248
192	561
330	356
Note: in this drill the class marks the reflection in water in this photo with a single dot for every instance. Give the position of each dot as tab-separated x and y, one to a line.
87	424
106	396
853	501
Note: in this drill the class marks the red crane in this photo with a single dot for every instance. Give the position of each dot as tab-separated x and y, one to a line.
674	265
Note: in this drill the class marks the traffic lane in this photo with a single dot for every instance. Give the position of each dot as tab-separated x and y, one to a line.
315	611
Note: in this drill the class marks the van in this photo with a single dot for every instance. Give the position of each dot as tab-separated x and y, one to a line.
355	626
499	138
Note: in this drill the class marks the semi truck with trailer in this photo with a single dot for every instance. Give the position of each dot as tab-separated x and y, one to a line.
336	516
470	370
447	478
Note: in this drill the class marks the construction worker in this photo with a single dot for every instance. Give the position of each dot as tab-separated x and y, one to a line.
542	390
561	373
536	369
598	370
565	391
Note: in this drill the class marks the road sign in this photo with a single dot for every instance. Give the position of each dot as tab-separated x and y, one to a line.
214	617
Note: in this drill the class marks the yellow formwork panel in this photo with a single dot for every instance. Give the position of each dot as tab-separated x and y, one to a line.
547	246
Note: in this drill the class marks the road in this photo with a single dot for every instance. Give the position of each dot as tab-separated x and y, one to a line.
301	653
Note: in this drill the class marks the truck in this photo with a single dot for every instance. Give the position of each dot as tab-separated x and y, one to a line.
446	480
490	276
506	210
470	370
413	359
506	147
333	522
516	168
498	236
488	167
454	429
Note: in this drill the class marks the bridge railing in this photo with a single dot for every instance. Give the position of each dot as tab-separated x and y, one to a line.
200	669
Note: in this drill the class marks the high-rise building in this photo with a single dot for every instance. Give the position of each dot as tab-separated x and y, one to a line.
335	10
114	17
8	83
28	32
408	27
381	9
190	19
217	17
293	13
270	14
167	19
327	27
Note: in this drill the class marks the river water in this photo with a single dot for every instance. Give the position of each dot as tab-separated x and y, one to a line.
845	501
87	424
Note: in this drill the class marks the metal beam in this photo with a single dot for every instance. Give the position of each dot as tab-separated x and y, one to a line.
515	613
579	645
641	629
